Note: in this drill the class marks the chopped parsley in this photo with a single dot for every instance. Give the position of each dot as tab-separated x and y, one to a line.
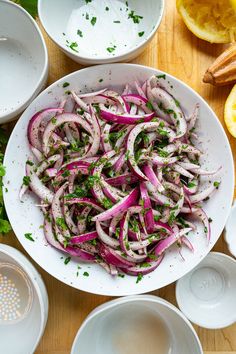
107	8
86	274
134	17
53	120
171	218
111	49
26	180
73	46
205	229
116	21
28	235
150	106
216	184
93	20
141	34
80	33
191	185
30	163
157	217
107	203
87	1
139	278
67	260
66	173
65	84
100	80
61	223
87	16
210	220
121	275
162	76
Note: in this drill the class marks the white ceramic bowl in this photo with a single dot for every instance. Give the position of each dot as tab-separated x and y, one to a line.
26	217
142	320
230	230
23	60
101	31
206	295
23	337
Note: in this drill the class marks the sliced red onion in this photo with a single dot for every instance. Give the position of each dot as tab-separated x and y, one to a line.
85	201
105	238
148	170
38	187
207	226
114	257
34	124
119	207
196	198
144	268
163	245
125	118
148	214
61	119
89	236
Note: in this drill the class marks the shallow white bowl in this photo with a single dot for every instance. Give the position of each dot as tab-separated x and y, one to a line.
26	217
113	325
114	37
206	295
23	60
24	336
230	230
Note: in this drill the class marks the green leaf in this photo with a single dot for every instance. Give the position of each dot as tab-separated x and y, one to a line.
31	6
29	237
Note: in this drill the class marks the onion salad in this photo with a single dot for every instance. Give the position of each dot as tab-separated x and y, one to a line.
117	176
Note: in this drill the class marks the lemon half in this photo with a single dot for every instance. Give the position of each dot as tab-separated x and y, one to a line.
230	112
213	21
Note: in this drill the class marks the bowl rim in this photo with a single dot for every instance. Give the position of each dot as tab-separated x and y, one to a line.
178	290
139	67
133	298
43	75
102	59
37	284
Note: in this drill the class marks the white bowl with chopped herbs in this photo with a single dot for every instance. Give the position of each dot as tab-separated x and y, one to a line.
101	31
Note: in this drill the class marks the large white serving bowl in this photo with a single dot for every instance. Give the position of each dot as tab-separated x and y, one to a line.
23	337
101	31
23	60
26	217
111	327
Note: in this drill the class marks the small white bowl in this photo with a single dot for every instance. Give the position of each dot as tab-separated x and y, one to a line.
101	31
23	60
230	231
146	323
23	336
206	295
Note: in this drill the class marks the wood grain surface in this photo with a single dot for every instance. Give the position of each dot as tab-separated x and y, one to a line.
175	50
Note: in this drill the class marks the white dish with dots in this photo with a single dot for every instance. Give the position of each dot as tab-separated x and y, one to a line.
23	60
23	303
101	31
206	295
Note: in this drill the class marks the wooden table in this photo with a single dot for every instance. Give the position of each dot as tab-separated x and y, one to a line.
175	50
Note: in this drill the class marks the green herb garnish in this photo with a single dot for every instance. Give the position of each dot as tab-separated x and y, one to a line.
67	260
139	278
65	84
135	18
93	20
28	235
141	34
86	274
26	179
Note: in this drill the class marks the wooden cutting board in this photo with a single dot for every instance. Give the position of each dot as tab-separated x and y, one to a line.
175	50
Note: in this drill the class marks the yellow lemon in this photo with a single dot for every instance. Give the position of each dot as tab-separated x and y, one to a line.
213	21
230	112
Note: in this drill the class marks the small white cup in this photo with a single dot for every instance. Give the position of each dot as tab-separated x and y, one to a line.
206	295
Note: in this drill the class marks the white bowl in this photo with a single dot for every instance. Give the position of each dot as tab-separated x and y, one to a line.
206	295
141	322
23	337
114	37
23	60
26	217
230	231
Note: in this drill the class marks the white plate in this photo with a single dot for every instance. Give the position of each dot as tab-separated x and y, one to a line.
101	31
25	217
